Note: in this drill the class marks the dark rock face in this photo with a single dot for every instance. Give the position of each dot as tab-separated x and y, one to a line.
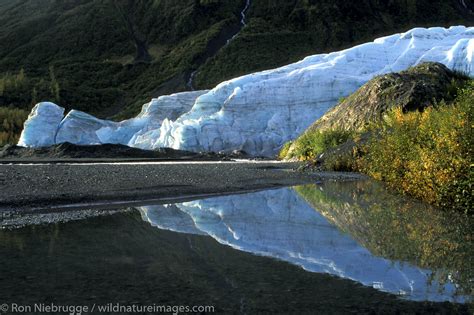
413	89
105	151
109	152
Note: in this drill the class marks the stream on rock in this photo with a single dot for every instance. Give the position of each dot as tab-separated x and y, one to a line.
243	23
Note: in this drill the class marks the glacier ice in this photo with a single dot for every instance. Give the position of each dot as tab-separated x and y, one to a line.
259	112
84	129
280	224
42	125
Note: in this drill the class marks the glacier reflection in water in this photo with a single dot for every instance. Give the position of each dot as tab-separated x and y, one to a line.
281	224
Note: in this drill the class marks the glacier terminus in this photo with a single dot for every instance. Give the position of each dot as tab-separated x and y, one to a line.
261	111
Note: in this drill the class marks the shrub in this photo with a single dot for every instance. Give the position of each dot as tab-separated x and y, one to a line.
11	124
345	161
313	143
284	150
427	155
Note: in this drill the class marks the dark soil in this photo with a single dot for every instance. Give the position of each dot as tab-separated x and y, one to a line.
60	152
39	186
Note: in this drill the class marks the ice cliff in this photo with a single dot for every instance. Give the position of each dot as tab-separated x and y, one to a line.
280	224
259	112
46	124
42	125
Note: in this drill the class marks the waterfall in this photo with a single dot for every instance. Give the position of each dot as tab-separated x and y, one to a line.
244	11
191	79
243	23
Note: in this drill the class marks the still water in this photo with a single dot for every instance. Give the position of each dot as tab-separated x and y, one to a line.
332	246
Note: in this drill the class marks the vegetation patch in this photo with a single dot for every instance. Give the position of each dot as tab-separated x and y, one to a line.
312	144
11	120
424	153
427	154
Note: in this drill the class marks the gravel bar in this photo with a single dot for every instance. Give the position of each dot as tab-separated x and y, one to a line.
27	187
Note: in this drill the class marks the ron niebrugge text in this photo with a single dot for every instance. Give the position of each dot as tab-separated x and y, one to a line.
103	308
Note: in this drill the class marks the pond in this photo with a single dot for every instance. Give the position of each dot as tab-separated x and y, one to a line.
331	246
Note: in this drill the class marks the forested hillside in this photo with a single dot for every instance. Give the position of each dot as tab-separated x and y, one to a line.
108	57
99	55
281	31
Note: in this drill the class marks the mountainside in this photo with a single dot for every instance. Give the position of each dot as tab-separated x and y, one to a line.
280	32
102	55
108	57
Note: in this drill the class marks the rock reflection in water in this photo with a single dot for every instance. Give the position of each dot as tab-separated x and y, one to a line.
282	224
400	228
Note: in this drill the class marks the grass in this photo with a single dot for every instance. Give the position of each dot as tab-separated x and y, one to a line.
284	151
313	143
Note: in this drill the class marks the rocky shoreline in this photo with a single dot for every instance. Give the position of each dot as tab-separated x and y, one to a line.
34	186
68	152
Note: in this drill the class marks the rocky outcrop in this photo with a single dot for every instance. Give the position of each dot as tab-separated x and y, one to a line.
413	89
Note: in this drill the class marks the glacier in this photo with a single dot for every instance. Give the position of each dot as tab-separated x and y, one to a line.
281	224
259	112
41	126
46	124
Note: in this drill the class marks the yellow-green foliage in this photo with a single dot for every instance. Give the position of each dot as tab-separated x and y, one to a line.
19	90
399	228
11	124
12	81
427	155
284	150
313	143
